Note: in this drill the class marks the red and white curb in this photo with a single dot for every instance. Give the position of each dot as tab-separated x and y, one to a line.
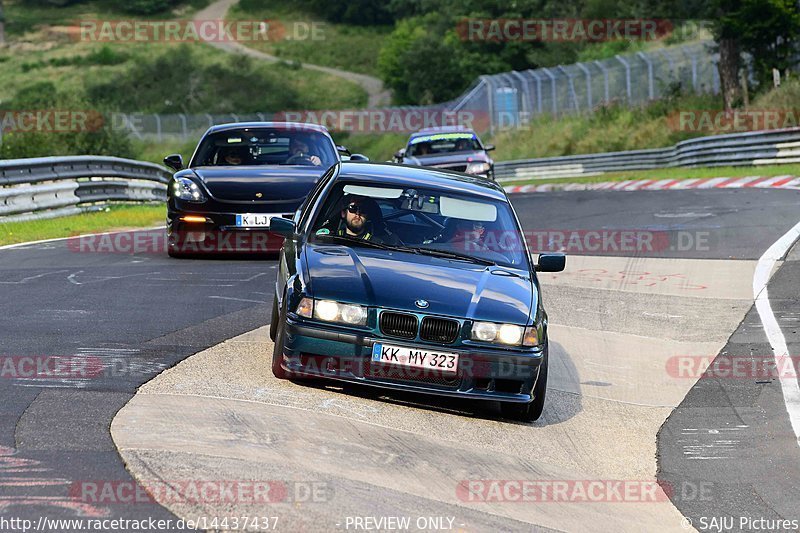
759	182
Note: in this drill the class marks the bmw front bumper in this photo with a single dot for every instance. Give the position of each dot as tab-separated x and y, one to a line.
340	353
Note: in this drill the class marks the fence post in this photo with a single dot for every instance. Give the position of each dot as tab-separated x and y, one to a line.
525	101
589	103
185	128
571	86
651	94
158	126
552	89
627	77
535	76
604	70
694	72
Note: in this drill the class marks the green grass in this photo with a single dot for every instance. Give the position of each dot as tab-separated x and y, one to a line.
115	217
673	174
353	48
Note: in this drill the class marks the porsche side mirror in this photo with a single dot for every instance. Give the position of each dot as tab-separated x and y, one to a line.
174	161
359	157
282	226
551	263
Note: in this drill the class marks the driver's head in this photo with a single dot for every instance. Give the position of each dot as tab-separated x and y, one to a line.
357	212
233	156
299	145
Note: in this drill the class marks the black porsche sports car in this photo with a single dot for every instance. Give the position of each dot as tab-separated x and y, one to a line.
241	176
413	279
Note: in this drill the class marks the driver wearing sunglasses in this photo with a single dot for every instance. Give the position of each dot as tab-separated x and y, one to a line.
360	218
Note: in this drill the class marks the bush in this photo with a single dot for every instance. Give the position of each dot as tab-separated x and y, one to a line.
42	96
179	81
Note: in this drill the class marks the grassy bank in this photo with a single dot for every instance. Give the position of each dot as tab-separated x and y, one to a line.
115	217
296	35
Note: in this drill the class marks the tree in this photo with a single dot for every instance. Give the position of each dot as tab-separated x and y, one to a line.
766	29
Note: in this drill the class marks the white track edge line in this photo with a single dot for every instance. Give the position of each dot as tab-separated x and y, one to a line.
789	384
43	241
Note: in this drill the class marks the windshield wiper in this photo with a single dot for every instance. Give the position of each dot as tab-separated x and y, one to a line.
414	250
452	255
358	242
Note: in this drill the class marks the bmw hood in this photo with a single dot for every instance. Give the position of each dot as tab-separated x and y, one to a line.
275	183
396	280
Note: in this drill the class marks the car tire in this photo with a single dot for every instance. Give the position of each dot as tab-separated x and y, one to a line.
529	412
277	350
273	323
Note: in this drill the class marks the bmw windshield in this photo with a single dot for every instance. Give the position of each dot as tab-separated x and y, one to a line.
422	220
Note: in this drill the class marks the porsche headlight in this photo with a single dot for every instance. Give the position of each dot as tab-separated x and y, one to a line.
331	311
187	190
477	168
506	334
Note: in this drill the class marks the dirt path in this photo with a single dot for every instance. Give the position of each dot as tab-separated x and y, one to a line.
377	94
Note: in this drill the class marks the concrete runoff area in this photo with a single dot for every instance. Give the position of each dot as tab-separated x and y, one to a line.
221	415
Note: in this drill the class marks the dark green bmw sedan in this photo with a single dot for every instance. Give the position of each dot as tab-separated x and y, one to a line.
414	279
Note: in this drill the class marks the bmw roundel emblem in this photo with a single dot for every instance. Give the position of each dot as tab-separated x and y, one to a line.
422	304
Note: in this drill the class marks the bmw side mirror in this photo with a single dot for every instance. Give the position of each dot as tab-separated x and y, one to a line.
489	147
282	226
359	157
551	263
174	161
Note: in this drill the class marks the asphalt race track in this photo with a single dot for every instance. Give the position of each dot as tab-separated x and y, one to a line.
616	409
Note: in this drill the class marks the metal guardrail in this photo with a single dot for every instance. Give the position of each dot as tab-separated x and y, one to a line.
738	149
47	187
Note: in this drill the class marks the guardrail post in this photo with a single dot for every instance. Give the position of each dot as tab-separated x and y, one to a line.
183	125
627	77
210	120
715	77
694	72
650	88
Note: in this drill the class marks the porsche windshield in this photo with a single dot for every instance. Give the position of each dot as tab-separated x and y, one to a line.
265	146
423	219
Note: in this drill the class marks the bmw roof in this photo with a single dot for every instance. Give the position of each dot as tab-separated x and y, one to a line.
297	126
405	175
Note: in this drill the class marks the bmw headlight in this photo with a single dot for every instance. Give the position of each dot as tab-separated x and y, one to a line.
477	168
186	189
507	334
331	311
